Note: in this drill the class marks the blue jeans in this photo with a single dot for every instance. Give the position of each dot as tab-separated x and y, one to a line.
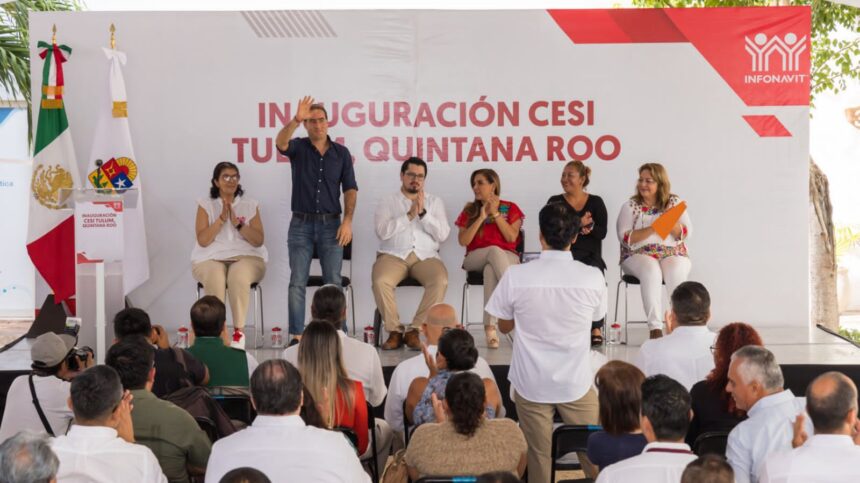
302	238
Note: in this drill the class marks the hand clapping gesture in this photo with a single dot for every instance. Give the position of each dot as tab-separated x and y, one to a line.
304	109
430	361
587	224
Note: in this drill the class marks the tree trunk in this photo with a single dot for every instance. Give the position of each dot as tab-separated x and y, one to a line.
823	307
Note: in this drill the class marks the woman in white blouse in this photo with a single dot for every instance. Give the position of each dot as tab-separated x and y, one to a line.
229	252
644	254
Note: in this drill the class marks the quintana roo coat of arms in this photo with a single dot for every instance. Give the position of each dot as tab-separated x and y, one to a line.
47	182
117	173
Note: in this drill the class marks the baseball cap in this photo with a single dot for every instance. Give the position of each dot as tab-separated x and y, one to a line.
49	349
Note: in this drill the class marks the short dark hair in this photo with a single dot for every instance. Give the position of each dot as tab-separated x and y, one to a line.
619	392
245	474
329	304
319	107
829	410
131	321
132	358
708	468
691	303
208	316
558	225
96	393
214	192
457	346
276	387
465	395
413	160
666	404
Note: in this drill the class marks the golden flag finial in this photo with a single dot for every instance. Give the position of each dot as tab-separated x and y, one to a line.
54	36
112	37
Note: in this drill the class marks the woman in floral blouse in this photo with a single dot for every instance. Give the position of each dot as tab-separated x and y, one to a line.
644	254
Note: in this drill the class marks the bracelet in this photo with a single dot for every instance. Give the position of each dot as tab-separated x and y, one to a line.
239	226
496	215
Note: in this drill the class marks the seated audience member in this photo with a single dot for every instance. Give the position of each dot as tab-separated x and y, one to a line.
456	353
361	359
174	367
278	442
755	382
713	407
51	372
830	455
665	417
619	391
463	441
685	353
27	458
709	468
227	365
552	303
245	475
168	430
440	318
100	447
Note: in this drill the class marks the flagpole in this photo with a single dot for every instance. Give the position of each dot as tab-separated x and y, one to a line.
112	37
54	35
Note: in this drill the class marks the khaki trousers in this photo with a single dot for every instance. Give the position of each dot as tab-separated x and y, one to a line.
536	423
236	273
389	270
493	261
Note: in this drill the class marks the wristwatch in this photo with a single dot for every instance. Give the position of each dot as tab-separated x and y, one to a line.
239	226
423	212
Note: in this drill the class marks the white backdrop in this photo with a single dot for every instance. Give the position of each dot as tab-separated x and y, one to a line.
195	82
17	275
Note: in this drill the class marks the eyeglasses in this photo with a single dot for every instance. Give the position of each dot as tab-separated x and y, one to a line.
713	348
229	177
419	177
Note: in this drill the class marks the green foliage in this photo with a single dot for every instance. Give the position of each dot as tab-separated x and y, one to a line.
835	60
847	237
852	334
15	43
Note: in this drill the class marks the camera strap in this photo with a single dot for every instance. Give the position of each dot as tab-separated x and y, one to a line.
45	422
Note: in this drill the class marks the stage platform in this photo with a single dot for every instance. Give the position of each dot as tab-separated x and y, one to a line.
802	353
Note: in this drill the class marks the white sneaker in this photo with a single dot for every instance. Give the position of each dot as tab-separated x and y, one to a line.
238	339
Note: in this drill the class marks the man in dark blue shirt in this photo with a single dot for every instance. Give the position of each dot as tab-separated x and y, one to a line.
321	168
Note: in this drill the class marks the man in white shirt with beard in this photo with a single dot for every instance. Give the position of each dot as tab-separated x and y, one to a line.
832	454
410	225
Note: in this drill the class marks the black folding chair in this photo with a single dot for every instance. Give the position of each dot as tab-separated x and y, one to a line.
377	317
371	425
447	479
349	434
345	280
208	427
236	402
570	438
476	278
712	442
405	426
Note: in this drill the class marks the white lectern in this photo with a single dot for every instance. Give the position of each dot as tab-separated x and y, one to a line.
99	253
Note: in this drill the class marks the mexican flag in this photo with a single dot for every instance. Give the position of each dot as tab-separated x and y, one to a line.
51	230
119	169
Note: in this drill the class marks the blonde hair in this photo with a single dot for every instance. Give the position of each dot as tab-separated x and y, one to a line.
664	187
322	369
473	208
583	171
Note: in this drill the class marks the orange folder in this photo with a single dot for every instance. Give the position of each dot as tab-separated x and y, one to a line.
663	225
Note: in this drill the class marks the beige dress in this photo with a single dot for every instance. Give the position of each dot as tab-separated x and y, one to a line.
436	449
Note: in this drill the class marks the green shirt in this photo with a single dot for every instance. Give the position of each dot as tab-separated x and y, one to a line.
227	366
171	433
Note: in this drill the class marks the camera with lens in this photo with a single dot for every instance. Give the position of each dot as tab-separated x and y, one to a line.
78	356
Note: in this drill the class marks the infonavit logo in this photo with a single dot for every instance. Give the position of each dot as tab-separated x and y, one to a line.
769	54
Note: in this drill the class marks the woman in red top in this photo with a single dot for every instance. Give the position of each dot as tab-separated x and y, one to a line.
489	229
323	373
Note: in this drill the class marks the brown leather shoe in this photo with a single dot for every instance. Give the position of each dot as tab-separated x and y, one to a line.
395	341
412	340
656	333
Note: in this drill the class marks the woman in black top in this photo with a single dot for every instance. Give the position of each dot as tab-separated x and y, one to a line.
590	208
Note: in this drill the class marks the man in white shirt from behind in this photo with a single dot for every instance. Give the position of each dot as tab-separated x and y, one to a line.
278	442
440	318
756	385
665	417
685	353
552	302
361	359
410	225
100	447
832	454
51	356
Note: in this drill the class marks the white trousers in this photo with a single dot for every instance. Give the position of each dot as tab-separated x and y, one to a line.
651	274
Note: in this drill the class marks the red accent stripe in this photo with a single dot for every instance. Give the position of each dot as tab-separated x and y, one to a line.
767	126
617	26
54	257
58	62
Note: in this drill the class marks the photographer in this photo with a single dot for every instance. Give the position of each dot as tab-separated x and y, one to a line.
39	401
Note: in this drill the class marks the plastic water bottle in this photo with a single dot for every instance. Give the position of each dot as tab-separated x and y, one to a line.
182	338
277	338
615	333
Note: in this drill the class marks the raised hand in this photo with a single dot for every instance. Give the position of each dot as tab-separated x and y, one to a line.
124	427
438	409
493	203
429	360
800	435
420	200
225	211
303	111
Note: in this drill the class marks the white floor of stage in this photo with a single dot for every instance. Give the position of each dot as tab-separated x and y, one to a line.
789	345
